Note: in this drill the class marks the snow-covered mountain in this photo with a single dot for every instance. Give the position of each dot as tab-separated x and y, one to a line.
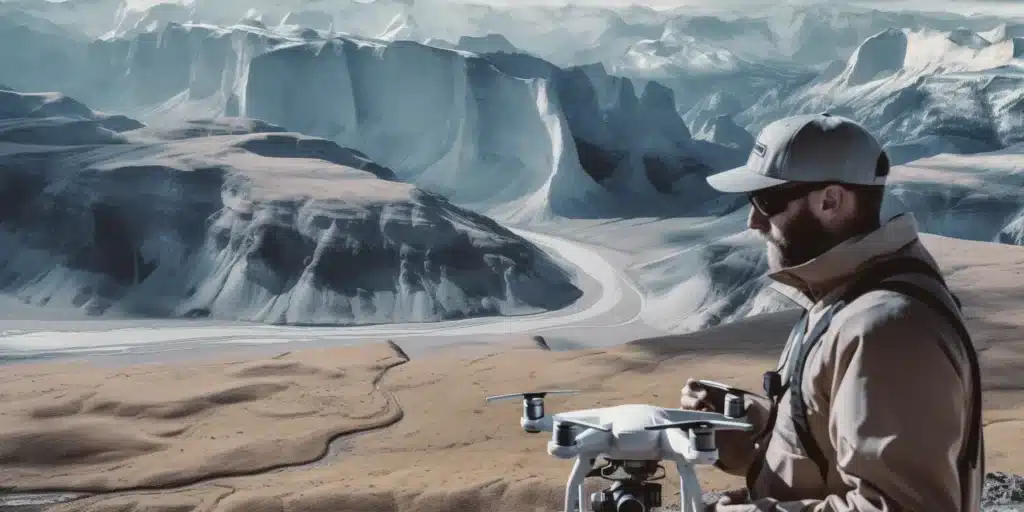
721	278
504	133
971	197
528	113
923	92
130	21
238	219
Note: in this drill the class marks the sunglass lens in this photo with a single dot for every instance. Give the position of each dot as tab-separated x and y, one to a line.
763	205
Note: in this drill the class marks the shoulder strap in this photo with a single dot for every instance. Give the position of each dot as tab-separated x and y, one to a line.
796	396
877	277
774	389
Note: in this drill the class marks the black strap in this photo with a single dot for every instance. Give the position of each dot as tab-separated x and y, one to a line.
874	278
796	395
774	389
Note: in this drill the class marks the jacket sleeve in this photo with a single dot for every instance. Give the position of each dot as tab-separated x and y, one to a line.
897	412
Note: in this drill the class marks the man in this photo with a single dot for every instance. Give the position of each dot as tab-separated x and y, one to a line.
875	408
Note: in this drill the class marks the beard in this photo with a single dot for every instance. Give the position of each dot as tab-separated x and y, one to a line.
803	240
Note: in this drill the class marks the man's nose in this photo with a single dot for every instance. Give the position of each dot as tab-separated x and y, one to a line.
756	220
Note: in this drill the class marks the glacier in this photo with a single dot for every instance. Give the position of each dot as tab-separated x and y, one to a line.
719	275
924	92
558	117
503	133
239	219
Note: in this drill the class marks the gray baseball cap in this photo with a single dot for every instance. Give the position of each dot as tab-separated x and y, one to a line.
808	148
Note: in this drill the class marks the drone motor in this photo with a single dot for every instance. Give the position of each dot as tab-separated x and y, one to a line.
533	407
734	406
703	437
564	435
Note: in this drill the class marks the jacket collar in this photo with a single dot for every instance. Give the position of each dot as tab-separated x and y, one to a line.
812	281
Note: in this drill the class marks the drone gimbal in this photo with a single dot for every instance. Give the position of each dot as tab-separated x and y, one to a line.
633	438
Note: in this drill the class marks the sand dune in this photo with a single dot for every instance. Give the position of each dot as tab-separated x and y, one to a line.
165	425
73	426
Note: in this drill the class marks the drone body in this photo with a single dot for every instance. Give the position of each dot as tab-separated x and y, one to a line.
627	436
634	437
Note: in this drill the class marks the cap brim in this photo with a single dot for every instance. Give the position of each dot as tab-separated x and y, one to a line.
741	180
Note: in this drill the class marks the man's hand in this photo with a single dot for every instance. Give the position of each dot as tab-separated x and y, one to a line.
735	447
696	397
730	501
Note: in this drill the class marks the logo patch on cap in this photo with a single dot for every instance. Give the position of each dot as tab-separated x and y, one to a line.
759	149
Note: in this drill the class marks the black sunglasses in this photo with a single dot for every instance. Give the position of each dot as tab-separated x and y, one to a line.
773	201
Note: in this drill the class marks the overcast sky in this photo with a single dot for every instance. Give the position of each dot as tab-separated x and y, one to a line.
993	7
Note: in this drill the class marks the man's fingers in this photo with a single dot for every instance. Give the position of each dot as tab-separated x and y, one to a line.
694	396
733	497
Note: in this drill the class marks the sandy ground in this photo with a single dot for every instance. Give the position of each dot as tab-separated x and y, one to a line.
430	441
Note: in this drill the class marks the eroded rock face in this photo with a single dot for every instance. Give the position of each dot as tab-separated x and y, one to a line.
236	219
1004	492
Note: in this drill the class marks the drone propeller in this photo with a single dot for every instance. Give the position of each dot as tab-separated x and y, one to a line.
532	394
727	388
584	424
701	424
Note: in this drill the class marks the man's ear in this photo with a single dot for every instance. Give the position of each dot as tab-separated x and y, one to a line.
831	199
834	204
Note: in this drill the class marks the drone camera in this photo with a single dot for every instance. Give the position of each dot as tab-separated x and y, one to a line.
627	496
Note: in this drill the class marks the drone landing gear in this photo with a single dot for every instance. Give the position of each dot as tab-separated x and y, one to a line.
632	489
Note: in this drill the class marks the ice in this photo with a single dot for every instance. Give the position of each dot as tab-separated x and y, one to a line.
707	284
503	133
136	19
970	197
535	117
722	129
923	92
498	132
215	219
489	43
717	278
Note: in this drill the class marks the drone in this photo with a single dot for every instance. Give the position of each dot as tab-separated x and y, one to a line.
632	438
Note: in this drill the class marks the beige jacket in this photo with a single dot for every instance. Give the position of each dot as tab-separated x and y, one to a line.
885	405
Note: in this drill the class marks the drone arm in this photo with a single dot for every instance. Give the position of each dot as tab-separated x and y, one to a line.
592	441
574	494
678	442
736	447
544	424
690	495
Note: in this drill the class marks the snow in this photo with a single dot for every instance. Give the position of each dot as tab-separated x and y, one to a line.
970	197
906	55
133	20
502	133
489	43
707	284
722	129
506	134
717	274
462	129
923	92
582	122
271	226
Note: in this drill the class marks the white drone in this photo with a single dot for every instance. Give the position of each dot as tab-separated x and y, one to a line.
634	438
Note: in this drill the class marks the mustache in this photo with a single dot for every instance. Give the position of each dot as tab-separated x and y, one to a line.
769	239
